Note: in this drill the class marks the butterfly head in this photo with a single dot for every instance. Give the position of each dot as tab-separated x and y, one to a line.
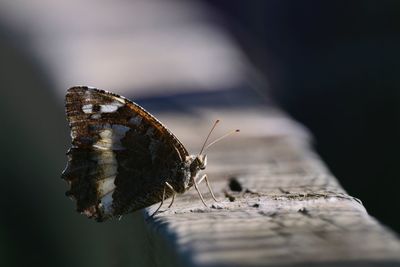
196	163
200	161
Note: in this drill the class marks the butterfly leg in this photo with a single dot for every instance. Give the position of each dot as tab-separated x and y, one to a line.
162	201
173	193
198	191
204	177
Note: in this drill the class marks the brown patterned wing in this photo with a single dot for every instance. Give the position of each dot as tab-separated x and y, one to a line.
121	156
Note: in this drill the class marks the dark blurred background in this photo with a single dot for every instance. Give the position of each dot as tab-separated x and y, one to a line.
332	65
335	67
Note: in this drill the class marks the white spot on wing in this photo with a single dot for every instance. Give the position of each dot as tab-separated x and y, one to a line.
112	107
110	137
106	186
106	133
73	134
87	108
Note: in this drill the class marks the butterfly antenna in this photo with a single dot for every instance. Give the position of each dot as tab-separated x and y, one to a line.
208	136
222	137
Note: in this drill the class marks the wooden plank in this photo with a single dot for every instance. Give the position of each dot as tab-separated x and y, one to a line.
290	211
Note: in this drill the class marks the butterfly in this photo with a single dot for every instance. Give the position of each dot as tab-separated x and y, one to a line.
122	158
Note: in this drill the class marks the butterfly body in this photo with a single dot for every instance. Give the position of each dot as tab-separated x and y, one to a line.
121	156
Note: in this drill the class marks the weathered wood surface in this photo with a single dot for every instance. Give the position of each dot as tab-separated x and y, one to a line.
291	210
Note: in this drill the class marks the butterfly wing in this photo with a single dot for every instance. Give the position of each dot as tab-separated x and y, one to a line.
121	156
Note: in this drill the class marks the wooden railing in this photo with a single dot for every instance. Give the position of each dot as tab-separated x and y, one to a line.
279	204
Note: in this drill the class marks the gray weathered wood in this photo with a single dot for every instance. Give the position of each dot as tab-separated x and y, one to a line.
294	212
